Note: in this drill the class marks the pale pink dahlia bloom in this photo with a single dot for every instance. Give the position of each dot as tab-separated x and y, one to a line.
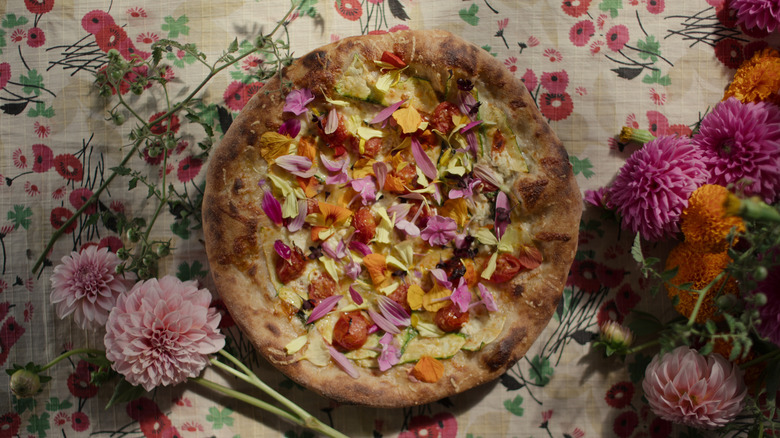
740	142
685	387
161	332
652	188
86	285
762	14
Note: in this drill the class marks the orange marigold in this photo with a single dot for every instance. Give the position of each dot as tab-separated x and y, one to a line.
704	221
757	79
698	269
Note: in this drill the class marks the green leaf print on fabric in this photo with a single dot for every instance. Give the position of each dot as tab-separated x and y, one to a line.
583	166
649	48
515	406
33	82
219	418
541	371
470	15
190	272
11	20
41	110
20	216
177	26
656	78
611	6
39	424
54	404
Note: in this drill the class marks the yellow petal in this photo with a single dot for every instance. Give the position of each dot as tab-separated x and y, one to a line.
273	145
438	292
334	214
414	297
408	119
456	209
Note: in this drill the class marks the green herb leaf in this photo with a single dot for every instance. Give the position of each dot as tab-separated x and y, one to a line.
470	15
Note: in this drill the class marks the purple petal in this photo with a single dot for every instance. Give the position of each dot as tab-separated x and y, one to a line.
422	160
337	253
291	128
332	123
297	223
324	308
400	210
334	165
355	295
272	208
387	112
296	101
393	311
413	196
461	297
339	178
487	298
471	138
283	250
441	277
470	125
360	247
366	188
408	227
466	103
390	353
297	165
343	362
353	269
383	323
380	171
502	214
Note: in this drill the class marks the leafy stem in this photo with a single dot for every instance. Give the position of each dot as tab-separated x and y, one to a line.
69	353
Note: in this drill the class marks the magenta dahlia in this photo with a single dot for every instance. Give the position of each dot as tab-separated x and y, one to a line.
161	332
740	144
652	188
685	387
770	312
762	14
86	285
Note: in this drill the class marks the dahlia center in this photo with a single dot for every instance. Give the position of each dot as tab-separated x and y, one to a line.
88	281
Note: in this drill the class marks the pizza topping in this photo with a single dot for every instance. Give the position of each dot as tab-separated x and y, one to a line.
366	188
387	112
272	208
355	295
376	265
439	230
502	214
290	269
324	307
343	362
487	298
441	120
273	145
507	267
290	128
389	58
450	318
283	250
423	161
408	119
390	354
428	370
350	331
296	101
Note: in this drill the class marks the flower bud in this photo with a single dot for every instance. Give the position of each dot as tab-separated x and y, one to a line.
640	136
759	299
615	336
25	383
760	273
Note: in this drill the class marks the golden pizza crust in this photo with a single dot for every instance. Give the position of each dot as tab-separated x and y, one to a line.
233	220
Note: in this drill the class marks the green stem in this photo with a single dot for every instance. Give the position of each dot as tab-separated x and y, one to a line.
700	301
70	353
766	357
92	199
246	399
642	347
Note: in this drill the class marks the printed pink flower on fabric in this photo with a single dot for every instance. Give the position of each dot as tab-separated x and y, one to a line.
761	14
617	37
658	124
580	33
439	230
653	186
5	74
555	82
161	332
86	285
740	142
685	387
655	6
530	80
43	158
36	37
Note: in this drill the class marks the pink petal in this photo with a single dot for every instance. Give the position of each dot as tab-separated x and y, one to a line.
470	125
333	122
283	250
380	171
393	311
297	223
297	165
343	362
487	298
291	128
383	323
360	247
324	308
296	101
355	295
272	208
334	165
423	161
387	112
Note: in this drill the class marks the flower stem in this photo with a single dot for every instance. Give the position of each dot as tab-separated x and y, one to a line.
700	300
642	347
69	353
246	399
763	358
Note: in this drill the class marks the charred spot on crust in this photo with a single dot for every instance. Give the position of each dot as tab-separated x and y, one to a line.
315	60
460	55
518	290
251	138
548	236
517	103
252	271
238	184
502	355
556	166
531	191
273	329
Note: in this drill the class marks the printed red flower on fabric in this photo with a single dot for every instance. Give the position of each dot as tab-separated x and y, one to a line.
620	394
556	106
59	216
555	82
147	38
660	428
79	421
9	424
170	123
79	197
234	96
349	9
726	15
583	275
252	89
79	382
113	243
625	424
69	167
18	35
109	37
655	6
730	52
617	37
511	63
136	12
39	6
5	74
31	189
9	334
575	8
530	80
609	277
658	124
189	169
552	55
580	33
441	425
626	299
41	131
19	159
609	312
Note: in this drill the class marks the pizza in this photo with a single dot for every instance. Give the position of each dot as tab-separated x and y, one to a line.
391	221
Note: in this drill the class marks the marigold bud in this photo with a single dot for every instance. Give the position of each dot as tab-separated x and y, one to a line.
25	383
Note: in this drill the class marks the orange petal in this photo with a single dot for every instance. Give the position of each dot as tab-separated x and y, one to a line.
393	184
309	186
377	267
529	256
334	214
428	370
315	233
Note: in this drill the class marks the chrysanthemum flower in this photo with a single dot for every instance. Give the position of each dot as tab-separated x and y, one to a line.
652	188
161	332
740	144
705	223
761	14
770	312
758	79
685	387
86	285
699	269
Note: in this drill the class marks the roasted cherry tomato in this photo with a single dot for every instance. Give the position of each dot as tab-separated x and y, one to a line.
399	296
321	287
289	270
365	225
372	147
441	120
450	318
350	331
498	142
507	266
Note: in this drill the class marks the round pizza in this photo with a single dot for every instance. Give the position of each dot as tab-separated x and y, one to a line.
391	221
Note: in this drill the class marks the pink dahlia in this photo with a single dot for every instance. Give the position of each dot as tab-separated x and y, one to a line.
161	332
762	14
86	284
740	143
770	312
653	186
685	387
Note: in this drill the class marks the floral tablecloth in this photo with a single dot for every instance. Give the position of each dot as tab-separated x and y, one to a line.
592	66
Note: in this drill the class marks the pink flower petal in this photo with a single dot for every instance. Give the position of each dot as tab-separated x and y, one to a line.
393	311
383	323
334	165
272	208
333	122
283	250
441	277
487	298
502	214
355	295
297	223
291	128
387	112
324	308
380	171
296	101
360	247
461	296
297	165
423	161
343	362
470	125
390	354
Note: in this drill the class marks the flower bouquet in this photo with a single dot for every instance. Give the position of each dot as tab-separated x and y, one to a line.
714	196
